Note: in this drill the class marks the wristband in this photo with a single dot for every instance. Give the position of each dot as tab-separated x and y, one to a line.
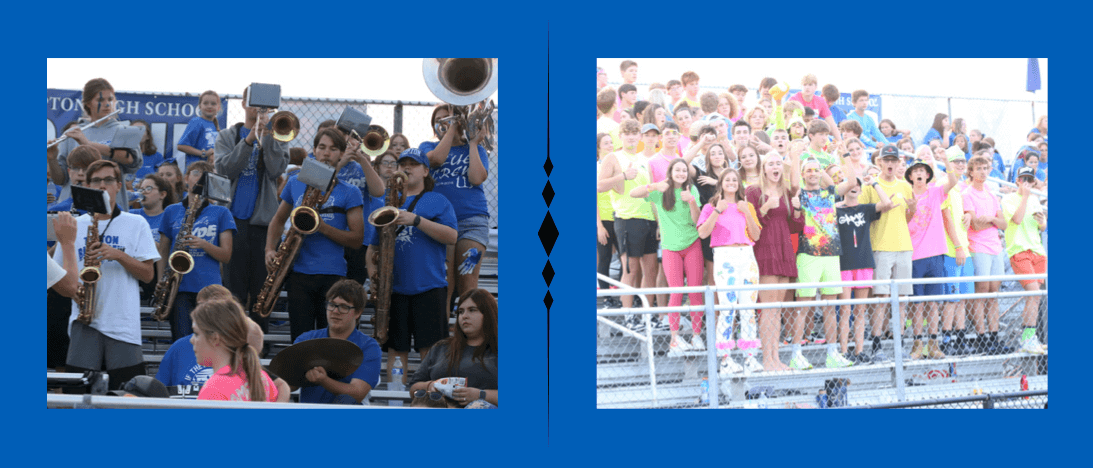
717	210
417	220
482	394
204	153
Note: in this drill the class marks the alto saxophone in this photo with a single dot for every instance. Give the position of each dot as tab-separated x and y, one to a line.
305	220
384	221
89	275
179	263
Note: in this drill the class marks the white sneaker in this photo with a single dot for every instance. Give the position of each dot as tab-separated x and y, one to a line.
753	365
678	347
1033	346
729	367
799	362
697	343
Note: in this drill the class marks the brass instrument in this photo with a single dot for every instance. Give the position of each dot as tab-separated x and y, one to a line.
384	221
305	220
284	124
82	128
89	275
375	142
180	262
466	84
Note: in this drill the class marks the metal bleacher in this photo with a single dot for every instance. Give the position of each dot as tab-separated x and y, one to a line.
156	336
623	377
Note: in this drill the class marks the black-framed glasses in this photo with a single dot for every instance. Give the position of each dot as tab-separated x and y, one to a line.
102	180
435	396
339	308
146	189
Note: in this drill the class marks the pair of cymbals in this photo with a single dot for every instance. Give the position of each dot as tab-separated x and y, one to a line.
340	358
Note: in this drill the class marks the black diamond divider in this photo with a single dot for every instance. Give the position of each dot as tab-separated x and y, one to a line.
548	233
548	166
548	273
548	193
548	300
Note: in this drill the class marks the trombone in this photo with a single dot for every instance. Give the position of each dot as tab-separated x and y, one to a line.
82	128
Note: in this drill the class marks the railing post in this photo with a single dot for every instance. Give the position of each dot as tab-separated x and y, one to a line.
398	118
897	339
711	348
649	353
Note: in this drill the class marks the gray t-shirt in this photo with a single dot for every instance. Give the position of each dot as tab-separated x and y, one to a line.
435	367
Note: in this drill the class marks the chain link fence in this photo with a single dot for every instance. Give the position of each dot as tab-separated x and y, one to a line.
637	366
409	118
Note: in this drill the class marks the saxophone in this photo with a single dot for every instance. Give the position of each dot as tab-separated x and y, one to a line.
305	220
179	263
384	221
89	275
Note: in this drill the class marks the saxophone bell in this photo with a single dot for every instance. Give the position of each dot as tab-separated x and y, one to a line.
384	216
181	262
90	274
305	219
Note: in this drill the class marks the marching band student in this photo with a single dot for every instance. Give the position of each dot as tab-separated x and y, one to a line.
988	255
344	305
209	243
253	170
220	342
385	165
170	172
157	194
112	341
732	226
399	143
427	224
198	140
1025	220
148	148
779	214
179	367
98	102
676	201
459	168
321	259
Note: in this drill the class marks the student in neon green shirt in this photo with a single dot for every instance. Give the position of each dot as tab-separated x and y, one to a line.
1025	220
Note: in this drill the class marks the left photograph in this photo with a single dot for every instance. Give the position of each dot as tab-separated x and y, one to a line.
275	233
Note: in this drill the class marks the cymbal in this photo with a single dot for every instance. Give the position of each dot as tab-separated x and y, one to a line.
339	357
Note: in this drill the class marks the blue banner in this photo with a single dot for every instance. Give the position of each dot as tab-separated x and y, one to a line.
1033	83
167	115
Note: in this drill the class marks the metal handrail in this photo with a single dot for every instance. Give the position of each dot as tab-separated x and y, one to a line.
648	333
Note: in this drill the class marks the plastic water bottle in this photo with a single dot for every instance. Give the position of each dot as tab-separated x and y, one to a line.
396	381
51	189
764	402
705	390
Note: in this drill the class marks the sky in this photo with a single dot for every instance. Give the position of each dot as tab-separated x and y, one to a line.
982	78
382	79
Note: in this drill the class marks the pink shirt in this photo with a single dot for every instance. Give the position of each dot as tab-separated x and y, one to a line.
817	104
730	228
658	167
982	203
222	386
927	227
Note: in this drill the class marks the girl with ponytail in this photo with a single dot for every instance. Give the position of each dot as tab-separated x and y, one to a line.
220	342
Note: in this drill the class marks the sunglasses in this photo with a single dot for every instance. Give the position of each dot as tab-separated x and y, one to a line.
435	396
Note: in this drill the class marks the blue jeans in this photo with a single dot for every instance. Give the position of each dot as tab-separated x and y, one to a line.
181	325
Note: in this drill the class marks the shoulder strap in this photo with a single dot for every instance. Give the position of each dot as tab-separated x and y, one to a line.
410	209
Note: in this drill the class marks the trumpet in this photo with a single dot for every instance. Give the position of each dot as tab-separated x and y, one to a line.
466	84
284	124
82	128
375	142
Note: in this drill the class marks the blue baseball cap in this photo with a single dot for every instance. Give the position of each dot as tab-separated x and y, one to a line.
416	155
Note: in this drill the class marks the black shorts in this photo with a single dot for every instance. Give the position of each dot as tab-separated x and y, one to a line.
422	315
637	237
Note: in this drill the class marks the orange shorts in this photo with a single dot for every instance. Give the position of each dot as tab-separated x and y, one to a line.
1028	263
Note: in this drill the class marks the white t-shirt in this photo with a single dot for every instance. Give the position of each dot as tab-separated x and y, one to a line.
117	292
54	272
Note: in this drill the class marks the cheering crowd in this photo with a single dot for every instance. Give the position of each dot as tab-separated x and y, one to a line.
741	188
442	233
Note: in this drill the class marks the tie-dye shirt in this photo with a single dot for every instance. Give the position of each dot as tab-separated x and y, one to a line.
927	227
821	233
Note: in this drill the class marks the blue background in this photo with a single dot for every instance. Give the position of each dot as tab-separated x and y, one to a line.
525	432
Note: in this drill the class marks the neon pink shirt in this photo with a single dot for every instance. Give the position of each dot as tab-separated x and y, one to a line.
817	104
982	203
222	386
658	167
730	228
927	227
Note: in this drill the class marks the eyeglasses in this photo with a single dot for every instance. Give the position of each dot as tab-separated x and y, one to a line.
146	189
389	164
104	180
77	170
435	396
340	308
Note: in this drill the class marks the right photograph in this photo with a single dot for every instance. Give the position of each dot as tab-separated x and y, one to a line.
821	233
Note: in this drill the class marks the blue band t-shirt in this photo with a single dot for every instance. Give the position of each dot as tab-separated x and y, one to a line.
368	372
419	259
319	255
208	225
451	180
